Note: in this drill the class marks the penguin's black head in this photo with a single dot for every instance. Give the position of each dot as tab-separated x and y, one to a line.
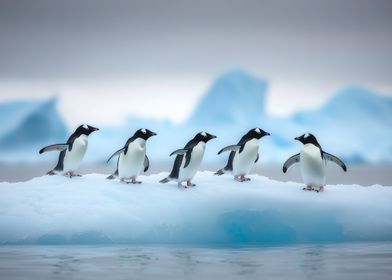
85	129
144	133
204	136
257	133
307	138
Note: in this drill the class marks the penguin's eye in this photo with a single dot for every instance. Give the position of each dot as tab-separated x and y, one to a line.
306	135
85	126
144	131
204	134
258	130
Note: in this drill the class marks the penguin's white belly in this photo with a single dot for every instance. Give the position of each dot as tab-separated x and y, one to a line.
73	158
131	164
312	166
196	157
244	161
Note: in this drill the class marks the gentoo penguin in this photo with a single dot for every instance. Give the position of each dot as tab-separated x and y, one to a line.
72	152
313	161
188	160
243	155
132	157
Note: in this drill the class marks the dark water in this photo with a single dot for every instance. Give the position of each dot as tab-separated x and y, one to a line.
332	261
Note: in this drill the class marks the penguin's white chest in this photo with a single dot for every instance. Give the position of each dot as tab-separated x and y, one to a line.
196	157
131	164
244	161
73	158
312	166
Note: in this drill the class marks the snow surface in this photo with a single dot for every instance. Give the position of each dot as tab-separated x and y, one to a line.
92	210
355	125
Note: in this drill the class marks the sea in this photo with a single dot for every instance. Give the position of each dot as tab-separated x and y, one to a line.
305	261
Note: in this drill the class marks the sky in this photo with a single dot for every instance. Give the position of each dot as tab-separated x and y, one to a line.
106	60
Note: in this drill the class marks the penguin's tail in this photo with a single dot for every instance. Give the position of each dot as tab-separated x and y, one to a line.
220	172
164	181
113	176
51	173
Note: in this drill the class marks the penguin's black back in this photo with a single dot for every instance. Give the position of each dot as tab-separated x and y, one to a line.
70	141
178	161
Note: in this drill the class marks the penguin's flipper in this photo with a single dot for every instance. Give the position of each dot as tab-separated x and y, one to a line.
257	158
115	154
179	152
335	159
188	158
54	147
146	163
230	148
290	162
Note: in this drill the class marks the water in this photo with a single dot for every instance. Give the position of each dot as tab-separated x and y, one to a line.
327	261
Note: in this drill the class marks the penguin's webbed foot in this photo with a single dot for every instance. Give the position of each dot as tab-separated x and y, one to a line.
136	182
190	184
308	188
238	179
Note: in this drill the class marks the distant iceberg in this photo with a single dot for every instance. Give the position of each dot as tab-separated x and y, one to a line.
93	210
29	124
236	97
355	124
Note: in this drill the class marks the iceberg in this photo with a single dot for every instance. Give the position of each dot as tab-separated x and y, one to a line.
92	210
236	97
355	124
28	124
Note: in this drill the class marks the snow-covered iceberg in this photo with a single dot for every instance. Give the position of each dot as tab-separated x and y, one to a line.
92	210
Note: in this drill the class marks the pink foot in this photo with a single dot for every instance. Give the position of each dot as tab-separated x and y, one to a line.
190	184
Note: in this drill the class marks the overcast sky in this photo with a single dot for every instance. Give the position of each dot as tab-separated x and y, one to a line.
162	52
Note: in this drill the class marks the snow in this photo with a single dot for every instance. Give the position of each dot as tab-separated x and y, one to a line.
355	125
92	210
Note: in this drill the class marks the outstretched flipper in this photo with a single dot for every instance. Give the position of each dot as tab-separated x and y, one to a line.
335	160
230	148
54	147
179	152
146	163
115	154
290	162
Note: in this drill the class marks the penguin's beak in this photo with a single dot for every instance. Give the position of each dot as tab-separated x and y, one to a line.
153	134
267	134
297	138
92	129
212	136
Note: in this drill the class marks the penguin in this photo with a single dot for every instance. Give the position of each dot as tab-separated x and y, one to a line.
313	161
243	155
188	160
72	152
132	158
